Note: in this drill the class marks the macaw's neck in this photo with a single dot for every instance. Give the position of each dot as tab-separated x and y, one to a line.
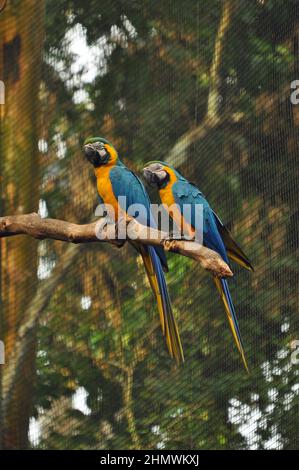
171	180
119	163
102	170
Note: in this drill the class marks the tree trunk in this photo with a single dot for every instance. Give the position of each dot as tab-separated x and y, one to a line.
21	41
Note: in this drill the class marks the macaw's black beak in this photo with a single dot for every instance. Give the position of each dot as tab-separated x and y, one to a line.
149	176
90	154
154	174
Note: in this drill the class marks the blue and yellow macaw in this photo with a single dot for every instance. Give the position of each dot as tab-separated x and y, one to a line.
114	180
175	191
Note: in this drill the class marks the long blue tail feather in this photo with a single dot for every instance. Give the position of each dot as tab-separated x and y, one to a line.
170	326
223	288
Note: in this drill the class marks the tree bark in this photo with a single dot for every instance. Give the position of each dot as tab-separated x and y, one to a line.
21	39
23	341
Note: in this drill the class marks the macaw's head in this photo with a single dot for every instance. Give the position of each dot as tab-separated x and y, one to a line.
99	151
159	174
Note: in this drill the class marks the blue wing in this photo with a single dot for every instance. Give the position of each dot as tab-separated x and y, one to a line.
186	193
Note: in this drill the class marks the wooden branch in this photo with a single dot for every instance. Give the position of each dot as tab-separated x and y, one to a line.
178	154
36	227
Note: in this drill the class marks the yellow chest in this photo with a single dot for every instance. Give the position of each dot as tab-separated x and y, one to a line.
105	189
166	195
168	200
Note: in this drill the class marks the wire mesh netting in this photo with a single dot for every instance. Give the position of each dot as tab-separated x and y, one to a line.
208	87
